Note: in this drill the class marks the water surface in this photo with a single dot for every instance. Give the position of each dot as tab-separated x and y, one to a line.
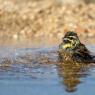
35	71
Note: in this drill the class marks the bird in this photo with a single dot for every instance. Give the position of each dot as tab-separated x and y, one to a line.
71	49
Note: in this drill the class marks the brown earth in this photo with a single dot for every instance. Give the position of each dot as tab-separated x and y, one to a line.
46	20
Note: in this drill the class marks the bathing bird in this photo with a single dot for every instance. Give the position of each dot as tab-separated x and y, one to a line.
71	49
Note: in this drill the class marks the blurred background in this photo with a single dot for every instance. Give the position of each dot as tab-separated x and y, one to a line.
44	22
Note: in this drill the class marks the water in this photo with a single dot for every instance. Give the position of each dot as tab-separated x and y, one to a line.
30	71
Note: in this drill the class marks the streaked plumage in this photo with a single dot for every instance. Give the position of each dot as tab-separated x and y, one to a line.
73	50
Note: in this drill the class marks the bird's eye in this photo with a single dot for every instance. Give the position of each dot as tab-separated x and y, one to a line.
72	37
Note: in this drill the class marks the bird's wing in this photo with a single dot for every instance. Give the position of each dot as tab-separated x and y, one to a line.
82	52
82	49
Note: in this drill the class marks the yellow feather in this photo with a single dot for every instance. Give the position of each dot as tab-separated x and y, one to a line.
67	46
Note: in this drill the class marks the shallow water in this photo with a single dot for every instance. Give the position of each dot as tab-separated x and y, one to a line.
33	71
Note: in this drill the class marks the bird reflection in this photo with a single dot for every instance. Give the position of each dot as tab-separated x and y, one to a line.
71	74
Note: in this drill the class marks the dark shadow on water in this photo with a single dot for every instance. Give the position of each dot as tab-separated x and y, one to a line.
71	74
40	69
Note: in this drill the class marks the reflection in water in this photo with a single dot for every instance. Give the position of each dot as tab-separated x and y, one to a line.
27	63
71	73
38	68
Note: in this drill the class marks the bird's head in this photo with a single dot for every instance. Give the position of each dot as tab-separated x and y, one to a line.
70	40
